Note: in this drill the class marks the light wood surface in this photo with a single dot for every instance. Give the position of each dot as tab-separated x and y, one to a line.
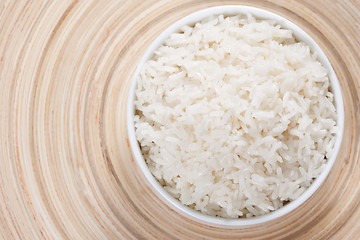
66	168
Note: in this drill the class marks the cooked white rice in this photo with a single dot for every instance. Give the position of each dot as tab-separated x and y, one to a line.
234	117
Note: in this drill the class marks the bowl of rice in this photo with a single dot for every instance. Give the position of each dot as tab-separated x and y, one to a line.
235	116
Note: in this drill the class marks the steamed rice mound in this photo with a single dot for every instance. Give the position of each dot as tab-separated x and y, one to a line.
234	116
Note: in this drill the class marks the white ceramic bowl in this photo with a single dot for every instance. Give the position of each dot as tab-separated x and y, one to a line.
160	191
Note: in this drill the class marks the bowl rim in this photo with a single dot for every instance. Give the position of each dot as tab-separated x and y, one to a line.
156	186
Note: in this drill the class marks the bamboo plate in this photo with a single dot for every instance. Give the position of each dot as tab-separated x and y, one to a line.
66	168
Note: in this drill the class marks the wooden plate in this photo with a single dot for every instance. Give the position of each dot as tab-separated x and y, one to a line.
66	168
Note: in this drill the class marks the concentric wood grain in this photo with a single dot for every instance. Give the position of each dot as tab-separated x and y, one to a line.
66	168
